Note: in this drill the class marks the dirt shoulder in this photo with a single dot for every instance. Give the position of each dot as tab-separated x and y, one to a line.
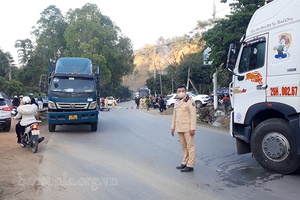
19	166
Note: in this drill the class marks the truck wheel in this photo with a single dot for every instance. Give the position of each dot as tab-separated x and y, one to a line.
51	127
274	146
198	104
94	126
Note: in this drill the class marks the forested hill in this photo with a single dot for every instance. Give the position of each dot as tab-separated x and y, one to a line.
166	52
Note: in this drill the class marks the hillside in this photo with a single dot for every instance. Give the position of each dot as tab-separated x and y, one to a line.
160	55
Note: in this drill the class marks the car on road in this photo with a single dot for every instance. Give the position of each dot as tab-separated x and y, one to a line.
220	93
201	100
5	112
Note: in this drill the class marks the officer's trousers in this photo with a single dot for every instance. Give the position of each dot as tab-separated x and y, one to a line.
188	148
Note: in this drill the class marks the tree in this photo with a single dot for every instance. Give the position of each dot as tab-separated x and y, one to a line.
123	92
49	34
25	49
154	84
226	31
12	87
6	64
93	35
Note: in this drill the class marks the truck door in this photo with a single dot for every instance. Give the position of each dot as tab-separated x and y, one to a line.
249	83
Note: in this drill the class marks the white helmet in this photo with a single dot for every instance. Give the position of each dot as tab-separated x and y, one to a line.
26	100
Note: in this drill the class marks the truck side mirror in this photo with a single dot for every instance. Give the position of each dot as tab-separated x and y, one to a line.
231	57
42	86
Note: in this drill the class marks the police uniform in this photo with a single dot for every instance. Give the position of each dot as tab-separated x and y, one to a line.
184	120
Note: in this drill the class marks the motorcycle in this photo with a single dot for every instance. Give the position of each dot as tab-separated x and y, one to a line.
14	111
30	137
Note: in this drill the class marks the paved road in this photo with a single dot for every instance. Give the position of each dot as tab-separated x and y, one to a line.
133	156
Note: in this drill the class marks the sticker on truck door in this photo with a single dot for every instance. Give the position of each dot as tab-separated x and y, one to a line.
284	43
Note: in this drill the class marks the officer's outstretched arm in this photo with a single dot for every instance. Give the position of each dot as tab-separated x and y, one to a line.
173	119
192	109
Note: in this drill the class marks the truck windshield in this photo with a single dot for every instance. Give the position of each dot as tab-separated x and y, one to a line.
72	85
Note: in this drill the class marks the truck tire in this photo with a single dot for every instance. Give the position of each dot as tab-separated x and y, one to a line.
51	127
274	147
199	104
94	126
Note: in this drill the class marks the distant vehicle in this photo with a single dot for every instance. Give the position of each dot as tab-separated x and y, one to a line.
110	103
201	100
144	92
5	112
171	98
73	93
220	93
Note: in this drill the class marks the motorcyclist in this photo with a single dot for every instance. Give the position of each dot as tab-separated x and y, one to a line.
16	101
26	114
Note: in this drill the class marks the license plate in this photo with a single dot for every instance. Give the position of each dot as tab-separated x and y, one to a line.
72	117
35	132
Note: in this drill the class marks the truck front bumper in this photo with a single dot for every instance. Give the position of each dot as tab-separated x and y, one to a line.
80	117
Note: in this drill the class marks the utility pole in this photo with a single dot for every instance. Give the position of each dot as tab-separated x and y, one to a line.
160	83
188	79
154	71
172	85
215	82
214	10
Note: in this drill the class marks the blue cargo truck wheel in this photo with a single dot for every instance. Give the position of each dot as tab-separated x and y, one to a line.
51	127
94	126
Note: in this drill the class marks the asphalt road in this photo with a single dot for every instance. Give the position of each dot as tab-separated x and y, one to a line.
133	156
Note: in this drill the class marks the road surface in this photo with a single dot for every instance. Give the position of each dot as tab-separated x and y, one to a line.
133	156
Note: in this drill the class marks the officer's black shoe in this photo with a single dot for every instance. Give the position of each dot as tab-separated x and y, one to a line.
187	169
41	139
182	166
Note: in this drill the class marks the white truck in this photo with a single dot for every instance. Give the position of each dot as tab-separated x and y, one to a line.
265	84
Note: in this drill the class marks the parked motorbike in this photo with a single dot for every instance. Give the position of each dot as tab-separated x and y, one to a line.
14	111
30	137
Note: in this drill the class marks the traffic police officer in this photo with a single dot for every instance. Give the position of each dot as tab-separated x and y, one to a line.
184	122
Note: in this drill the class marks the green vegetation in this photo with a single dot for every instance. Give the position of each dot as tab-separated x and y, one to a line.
181	53
83	32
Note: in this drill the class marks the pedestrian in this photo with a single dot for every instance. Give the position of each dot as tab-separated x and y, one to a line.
184	122
225	104
106	103
147	102
40	102
161	104
137	102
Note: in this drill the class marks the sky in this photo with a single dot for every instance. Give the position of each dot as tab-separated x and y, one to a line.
140	20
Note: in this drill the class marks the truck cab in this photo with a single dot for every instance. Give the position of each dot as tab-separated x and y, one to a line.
73	93
264	90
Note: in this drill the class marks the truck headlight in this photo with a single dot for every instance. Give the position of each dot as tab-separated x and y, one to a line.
51	105
93	105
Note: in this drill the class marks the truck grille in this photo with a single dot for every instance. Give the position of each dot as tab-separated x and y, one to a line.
62	105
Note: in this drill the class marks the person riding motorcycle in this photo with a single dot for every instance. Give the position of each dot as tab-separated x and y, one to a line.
26	114
16	101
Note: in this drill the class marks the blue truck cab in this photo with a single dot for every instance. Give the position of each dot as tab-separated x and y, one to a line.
73	95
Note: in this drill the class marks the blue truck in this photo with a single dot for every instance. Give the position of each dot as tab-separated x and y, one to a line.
73	93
